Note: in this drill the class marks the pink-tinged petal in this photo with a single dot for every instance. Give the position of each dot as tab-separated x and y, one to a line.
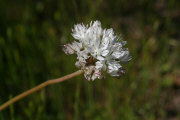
97	75
68	49
88	70
88	77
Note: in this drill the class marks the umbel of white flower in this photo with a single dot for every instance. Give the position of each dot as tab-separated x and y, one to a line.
97	49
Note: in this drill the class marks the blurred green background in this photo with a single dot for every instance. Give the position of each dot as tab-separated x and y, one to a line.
31	35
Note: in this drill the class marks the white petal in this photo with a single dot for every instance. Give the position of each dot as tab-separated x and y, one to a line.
113	68
99	65
105	52
77	64
76	46
105	43
126	57
100	57
89	49
114	73
118	54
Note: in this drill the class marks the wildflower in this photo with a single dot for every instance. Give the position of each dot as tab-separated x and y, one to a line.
97	49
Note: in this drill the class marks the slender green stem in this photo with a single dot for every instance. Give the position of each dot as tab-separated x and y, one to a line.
42	85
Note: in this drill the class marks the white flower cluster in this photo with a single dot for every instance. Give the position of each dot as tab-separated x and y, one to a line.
97	49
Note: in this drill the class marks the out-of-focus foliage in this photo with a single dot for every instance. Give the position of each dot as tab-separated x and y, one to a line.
31	35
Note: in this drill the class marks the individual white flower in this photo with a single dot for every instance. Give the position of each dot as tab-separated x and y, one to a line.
97	50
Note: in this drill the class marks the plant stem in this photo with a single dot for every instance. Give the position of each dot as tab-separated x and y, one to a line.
42	85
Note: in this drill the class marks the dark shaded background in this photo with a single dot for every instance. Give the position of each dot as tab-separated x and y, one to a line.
31	35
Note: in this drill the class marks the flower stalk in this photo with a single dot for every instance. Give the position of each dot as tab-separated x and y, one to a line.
42	85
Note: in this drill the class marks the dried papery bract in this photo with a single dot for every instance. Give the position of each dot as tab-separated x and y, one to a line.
97	49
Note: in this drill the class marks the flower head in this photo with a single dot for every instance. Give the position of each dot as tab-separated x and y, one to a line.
97	49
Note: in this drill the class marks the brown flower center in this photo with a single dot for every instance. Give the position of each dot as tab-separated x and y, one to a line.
90	61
